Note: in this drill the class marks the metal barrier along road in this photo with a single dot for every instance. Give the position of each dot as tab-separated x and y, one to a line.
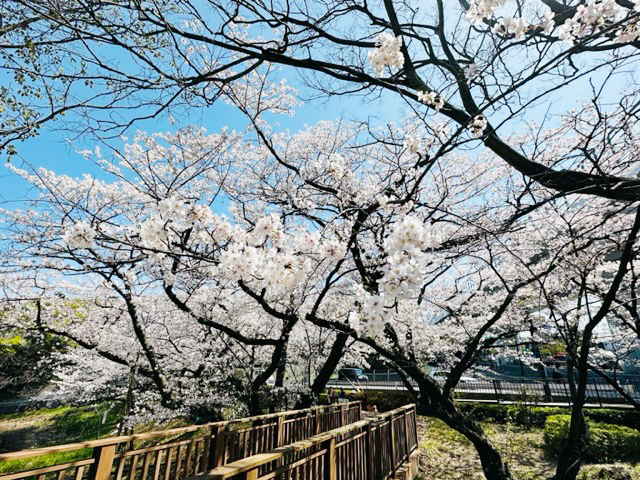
505	389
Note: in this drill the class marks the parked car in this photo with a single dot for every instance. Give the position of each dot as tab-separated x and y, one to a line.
352	374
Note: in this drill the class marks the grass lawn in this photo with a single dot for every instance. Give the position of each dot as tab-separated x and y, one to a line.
57	426
447	455
54	426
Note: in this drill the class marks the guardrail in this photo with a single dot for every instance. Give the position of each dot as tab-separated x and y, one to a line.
373	449
599	392
210	445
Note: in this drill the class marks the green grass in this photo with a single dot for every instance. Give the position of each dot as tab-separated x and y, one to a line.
43	460
34	413
55	426
447	455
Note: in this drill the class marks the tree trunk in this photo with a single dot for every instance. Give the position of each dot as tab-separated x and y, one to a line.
433	400
492	465
320	382
571	459
255	405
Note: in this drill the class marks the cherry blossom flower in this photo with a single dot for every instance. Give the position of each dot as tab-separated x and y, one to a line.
432	99
79	235
387	53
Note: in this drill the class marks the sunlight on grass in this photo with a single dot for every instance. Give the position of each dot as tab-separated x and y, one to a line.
54	426
44	461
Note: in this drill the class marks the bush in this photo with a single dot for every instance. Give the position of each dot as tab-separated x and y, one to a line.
628	418
387	400
606	472
518	414
605	443
529	416
485	412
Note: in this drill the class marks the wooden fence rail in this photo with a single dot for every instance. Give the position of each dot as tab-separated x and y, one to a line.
178	458
373	449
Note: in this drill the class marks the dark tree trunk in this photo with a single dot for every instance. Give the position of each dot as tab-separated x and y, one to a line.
320	382
255	403
492	465
431	399
571	458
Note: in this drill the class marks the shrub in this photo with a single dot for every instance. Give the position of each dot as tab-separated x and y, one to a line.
628	418
606	472
485	412
605	443
530	416
387	400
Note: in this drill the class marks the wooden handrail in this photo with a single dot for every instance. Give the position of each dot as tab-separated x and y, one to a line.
141	436
256	461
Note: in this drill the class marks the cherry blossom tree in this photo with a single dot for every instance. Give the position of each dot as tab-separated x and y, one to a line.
485	66
437	236
385	235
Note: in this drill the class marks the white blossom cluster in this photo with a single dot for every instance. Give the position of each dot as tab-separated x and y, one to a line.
336	165
510	26
630	33
478	126
405	248
172	214
411	143
589	18
387	53
333	249
480	10
274	258
432	99
79	235
153	234
267	227
376	316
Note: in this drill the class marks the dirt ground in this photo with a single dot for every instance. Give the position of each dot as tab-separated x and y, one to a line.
18	432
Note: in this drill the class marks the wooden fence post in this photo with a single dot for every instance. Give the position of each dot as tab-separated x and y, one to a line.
317	421
406	432
392	443
221	446
342	415
279	431
330	460
251	474
211	457
101	468
369	452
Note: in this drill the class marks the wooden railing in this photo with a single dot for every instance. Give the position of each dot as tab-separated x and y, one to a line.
178	458
372	449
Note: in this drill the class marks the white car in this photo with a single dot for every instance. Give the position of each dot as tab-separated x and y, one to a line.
441	376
